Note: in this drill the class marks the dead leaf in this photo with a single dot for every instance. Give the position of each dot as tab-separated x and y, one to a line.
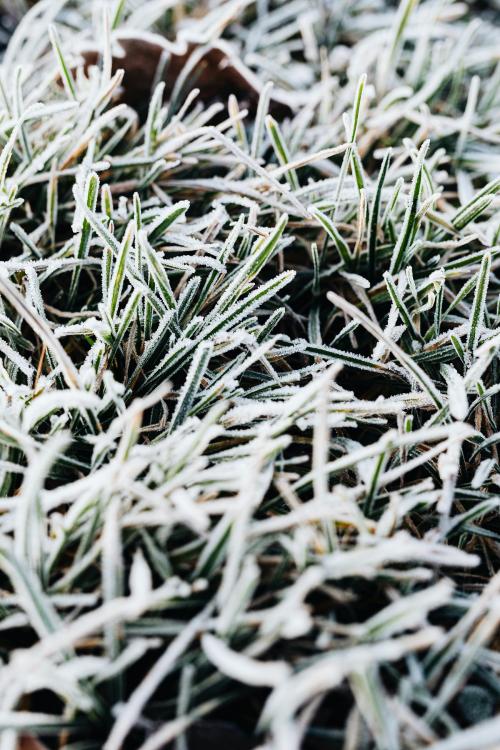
217	73
30	743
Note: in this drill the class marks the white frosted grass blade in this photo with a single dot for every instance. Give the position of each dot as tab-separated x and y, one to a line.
192	384
407	362
132	709
39	326
331	669
457	394
485	735
240	667
478	306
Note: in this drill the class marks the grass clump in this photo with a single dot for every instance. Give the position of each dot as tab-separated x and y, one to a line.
249	337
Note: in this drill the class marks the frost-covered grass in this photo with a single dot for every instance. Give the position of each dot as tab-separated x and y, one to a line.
249	376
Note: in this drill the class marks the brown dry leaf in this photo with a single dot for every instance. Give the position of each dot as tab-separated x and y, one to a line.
216	72
30	743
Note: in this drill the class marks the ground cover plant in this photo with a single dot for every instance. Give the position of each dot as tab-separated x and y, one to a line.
249	337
